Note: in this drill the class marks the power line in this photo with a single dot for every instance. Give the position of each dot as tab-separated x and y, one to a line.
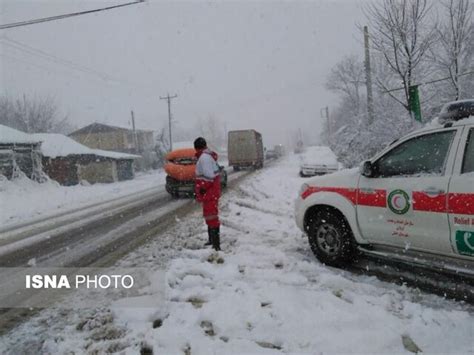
44	55
71	65
50	71
63	16
24	61
428	82
44	69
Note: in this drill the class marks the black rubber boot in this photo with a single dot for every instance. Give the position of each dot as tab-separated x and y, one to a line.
209	233
216	239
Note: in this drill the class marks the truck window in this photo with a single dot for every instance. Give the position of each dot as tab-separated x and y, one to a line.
468	161
418	156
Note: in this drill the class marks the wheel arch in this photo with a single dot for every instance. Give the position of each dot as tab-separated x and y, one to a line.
338	205
316	208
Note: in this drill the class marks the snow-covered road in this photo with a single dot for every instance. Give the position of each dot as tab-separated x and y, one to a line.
264	294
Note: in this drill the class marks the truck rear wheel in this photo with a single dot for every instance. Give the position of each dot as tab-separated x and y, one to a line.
236	168
330	237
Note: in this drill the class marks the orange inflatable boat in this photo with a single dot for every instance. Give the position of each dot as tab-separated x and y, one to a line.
181	164
180	168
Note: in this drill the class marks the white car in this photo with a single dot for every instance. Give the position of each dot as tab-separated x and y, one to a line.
318	160
413	202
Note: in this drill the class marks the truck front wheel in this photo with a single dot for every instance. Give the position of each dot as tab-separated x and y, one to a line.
330	237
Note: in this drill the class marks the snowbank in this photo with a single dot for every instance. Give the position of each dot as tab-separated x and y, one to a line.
23	199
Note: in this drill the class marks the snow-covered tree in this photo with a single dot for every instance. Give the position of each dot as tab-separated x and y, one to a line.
162	146
347	77
402	32
213	130
453	54
33	115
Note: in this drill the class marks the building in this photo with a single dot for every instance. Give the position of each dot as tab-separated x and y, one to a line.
19	153
119	139
70	162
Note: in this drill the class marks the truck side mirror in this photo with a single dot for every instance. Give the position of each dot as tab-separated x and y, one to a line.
367	169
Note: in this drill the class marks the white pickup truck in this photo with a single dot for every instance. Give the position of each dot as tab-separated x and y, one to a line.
413	202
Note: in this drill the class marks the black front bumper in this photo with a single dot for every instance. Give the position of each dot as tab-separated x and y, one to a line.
186	188
177	187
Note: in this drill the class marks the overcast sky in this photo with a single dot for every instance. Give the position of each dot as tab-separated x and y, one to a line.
252	64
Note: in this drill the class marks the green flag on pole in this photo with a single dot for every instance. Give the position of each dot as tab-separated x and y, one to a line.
415	107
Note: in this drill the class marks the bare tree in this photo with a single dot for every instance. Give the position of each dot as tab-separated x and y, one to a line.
453	53
213	130
347	77
161	145
401	33
33	115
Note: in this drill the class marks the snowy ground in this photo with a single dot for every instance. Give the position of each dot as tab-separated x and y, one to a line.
264	294
24	199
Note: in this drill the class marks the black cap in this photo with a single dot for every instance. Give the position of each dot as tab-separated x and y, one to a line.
200	143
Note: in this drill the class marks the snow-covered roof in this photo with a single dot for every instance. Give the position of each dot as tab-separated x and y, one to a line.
97	127
11	135
58	145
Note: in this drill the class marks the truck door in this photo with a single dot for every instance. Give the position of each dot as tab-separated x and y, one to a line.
405	203
461	198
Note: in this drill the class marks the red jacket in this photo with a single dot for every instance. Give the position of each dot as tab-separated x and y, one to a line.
208	181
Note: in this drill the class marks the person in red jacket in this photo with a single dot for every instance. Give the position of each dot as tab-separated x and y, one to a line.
208	189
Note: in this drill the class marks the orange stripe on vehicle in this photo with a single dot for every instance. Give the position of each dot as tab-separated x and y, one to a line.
426	203
350	194
378	198
461	203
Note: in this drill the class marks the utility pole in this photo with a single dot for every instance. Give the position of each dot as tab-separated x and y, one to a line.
168	98
135	139
325	114
226	133
368	77
327	117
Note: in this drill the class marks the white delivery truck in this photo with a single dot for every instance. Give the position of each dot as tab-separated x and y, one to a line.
245	149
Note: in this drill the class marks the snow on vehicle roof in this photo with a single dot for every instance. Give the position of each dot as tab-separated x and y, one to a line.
465	101
464	121
11	135
58	145
319	155
457	110
436	124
